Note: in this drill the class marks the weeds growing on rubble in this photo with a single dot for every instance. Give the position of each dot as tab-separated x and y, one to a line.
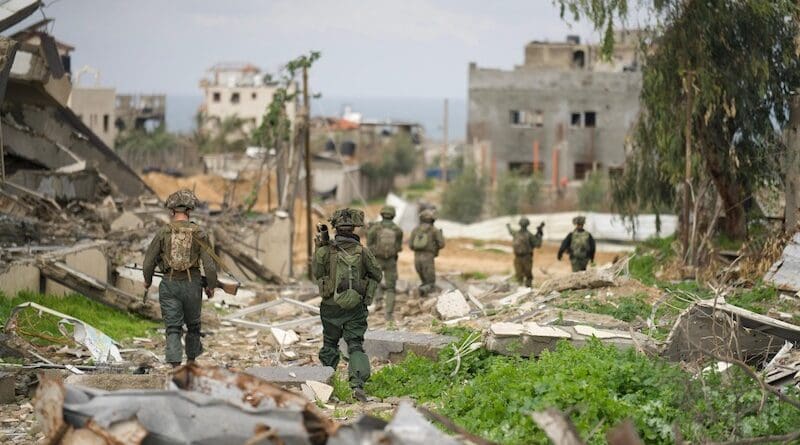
116	324
493	396
341	389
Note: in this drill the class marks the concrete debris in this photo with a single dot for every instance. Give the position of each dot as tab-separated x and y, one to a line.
392	346
451	305
292	375
515	297
284	338
530	339
127	221
785	273
588	279
8	388
317	391
409	426
714	326
116	382
102	348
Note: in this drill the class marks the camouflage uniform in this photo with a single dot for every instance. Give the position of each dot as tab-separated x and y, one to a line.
180	293
337	321
524	243
424	256
387	258
580	246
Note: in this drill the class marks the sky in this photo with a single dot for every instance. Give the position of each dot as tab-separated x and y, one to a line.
370	48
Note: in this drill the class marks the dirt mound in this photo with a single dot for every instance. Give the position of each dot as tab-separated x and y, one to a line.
214	189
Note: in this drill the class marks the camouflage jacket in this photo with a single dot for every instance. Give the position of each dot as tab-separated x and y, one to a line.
535	241
372	235
435	234
371	271
199	253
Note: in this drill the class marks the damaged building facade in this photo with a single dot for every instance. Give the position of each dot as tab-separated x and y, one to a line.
564	112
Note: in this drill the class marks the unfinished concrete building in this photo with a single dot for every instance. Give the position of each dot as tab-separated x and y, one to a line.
140	111
238	90
563	113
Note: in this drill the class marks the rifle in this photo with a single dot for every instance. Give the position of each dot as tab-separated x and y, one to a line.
540	227
230	287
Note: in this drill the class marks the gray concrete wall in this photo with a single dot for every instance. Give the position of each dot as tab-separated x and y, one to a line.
19	277
613	96
92	262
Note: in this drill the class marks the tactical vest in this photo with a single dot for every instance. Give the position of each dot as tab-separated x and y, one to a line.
579	245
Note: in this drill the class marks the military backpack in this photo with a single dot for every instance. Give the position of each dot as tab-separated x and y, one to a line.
178	255
346	275
579	246
521	243
422	240
385	242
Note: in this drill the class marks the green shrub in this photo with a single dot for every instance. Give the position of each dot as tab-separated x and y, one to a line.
463	198
515	194
594	193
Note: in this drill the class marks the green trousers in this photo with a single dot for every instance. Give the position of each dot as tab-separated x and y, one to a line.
579	264
389	268
426	269
181	302
350	324
523	269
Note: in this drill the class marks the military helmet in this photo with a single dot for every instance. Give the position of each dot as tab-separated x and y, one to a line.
182	200
347	217
388	212
524	222
427	215
579	220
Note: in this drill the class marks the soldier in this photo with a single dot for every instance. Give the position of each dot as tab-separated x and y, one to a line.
523	243
177	249
579	244
348	276
385	241
426	241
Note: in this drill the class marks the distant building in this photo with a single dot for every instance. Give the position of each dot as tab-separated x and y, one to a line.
94	105
240	90
140	111
562	113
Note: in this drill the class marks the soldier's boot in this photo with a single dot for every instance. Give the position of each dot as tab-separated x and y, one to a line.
174	348
360	395
194	347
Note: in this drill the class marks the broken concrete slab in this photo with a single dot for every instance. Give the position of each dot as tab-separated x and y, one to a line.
91	261
587	279
785	273
451	305
19	277
394	345
292	375
514	298
8	388
531	339
116	382
127	221
409	426
284	338
714	326
319	391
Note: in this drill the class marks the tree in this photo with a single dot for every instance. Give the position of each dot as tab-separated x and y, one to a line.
734	62
228	134
515	194
593	194
142	140
463	198
398	158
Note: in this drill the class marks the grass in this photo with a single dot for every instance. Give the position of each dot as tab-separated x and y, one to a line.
474	275
341	389
627	308
493	396
422	186
114	323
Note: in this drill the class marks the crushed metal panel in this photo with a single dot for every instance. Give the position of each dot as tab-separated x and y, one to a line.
785	273
15	11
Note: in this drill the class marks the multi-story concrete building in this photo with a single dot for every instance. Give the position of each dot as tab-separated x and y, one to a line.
95	105
239	90
140	111
562	113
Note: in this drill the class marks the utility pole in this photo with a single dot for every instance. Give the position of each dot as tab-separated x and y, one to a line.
307	143
443	160
687	199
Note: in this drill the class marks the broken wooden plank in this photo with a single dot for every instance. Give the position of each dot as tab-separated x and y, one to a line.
557	426
98	290
228	246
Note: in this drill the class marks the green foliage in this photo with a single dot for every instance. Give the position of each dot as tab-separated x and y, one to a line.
593	194
341	389
759	299
140	140
228	134
463	198
398	158
116	324
648	256
515	194
627	308
493	396
425	185
474	275
738	60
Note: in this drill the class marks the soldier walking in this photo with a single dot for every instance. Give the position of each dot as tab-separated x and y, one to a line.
348	276
177	249
385	241
523	244
579	244
426	241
